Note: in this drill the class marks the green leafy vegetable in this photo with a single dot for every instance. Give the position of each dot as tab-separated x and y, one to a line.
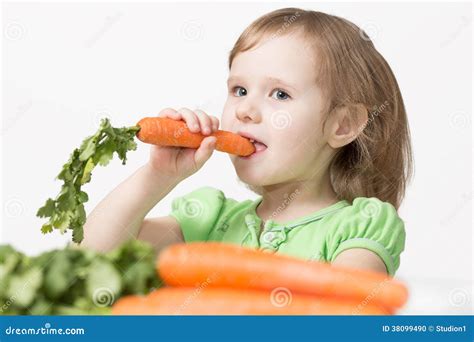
67	210
74	281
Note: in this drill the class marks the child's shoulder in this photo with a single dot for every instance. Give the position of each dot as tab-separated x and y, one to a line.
372	207
371	224
368	213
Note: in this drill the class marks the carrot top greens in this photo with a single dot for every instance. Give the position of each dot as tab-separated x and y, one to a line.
74	281
67	210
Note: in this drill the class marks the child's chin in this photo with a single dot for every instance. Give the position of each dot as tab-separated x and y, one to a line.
250	175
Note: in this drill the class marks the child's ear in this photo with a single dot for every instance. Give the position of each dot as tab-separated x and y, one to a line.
344	124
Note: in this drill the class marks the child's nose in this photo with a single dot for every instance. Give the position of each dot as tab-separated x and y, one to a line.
247	112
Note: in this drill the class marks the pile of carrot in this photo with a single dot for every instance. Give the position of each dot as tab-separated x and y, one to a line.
168	132
210	278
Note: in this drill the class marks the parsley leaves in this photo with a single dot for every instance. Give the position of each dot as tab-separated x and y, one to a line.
74	280
67	210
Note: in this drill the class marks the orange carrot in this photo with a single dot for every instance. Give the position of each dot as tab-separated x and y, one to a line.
169	132
228	301
226	265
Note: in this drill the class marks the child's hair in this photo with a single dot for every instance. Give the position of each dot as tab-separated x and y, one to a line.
378	163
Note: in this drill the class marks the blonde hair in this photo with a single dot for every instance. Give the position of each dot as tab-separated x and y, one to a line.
379	162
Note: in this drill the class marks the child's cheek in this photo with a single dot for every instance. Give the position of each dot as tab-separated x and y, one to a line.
225	123
279	115
296	141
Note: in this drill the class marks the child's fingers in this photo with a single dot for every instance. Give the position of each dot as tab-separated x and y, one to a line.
204	152
204	121
196	121
169	113
215	123
191	119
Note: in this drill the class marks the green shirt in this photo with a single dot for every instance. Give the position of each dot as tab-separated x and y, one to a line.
205	214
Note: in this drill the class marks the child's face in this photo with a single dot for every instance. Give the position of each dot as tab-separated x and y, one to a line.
285	115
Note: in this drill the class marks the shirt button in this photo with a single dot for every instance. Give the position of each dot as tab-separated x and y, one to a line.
268	236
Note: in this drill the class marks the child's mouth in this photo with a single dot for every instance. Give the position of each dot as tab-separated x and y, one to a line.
259	149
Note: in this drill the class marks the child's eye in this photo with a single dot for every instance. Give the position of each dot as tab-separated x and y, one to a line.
239	91
279	94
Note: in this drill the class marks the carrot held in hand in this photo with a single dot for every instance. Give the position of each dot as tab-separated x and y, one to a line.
168	132
228	301
229	265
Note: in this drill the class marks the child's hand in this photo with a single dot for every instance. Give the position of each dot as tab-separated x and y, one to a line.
179	162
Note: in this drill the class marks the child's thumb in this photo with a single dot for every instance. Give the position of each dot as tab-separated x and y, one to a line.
204	151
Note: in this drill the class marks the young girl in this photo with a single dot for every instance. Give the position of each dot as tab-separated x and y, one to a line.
332	156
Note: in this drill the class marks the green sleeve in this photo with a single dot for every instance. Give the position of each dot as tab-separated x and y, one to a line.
197	212
371	224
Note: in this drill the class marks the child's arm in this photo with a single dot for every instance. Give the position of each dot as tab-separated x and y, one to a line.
161	232
121	214
360	258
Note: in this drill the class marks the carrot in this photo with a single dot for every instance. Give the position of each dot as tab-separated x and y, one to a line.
228	301
169	132
226	265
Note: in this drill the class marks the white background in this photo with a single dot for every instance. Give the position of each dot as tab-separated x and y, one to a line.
65	66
